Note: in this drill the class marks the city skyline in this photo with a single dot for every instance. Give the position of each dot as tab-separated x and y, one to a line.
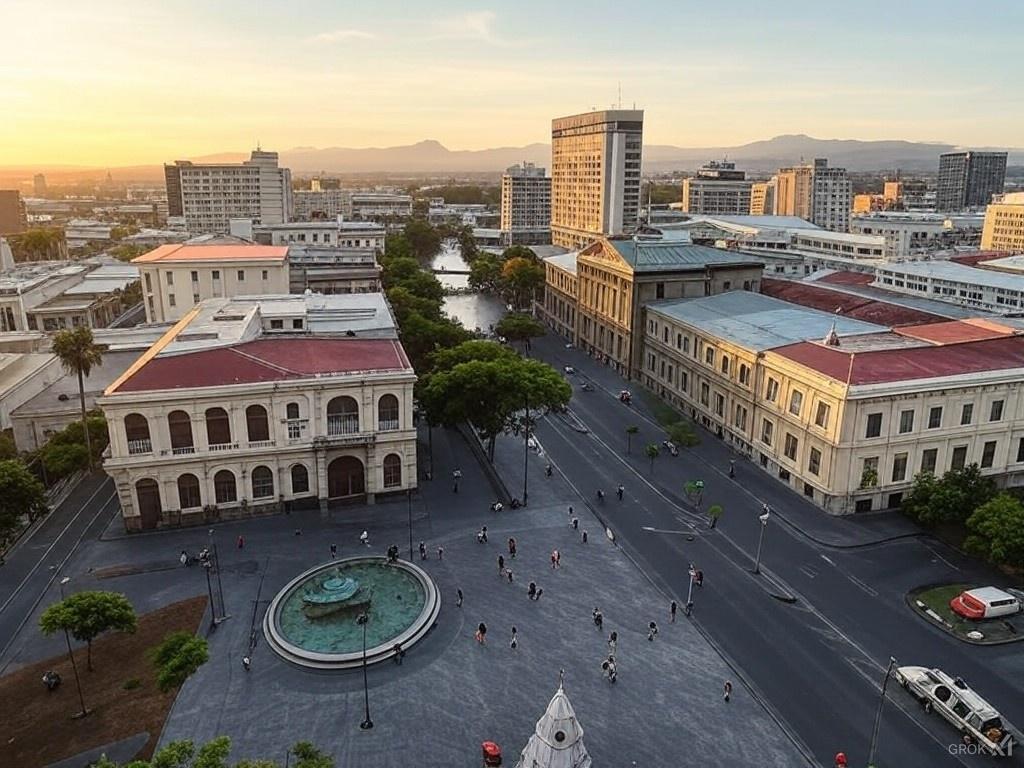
473	76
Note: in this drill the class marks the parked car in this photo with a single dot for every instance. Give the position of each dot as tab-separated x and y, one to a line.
984	603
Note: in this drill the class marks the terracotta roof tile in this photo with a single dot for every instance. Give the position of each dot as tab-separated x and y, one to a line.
849	305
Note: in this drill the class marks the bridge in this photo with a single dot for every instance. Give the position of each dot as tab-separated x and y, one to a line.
451	271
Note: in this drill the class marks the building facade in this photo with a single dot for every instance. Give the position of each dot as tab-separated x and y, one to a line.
526	205
379	206
762	197
208	196
561	293
13	219
987	290
717	189
320	204
595	175
267	420
969	179
832	197
1004	224
794	192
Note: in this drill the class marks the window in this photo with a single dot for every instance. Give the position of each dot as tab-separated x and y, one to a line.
659	290
216	274
265	274
387	413
959	457
342	416
766	432
1020	449
869	472
899	467
149	283
170	300
725	364
966	413
277	324
257	425
719	404
796	401
929	458
195	276
705	394
218	427
988	454
935	417
727	285
297	324
895	499
262	483
997	411
195	298
709	355
814	462
188	492
741	417
771	390
179	424
241	275
862	505
906	422
821	416
392	470
744	374
679	341
170	278
791	447
224	487
808	490
874	425
300	479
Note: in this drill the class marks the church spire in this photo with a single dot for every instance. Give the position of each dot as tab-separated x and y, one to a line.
557	741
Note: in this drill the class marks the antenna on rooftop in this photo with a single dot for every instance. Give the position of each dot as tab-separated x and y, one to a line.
620	96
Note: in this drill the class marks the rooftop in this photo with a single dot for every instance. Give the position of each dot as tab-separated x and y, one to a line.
174	252
957	273
829	298
101	376
669	255
757	321
955	331
106	278
758	222
31	273
566	261
15	367
1006	264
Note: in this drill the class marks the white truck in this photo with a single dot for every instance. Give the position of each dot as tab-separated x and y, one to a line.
978	721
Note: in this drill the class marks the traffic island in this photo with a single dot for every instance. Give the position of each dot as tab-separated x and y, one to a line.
931	602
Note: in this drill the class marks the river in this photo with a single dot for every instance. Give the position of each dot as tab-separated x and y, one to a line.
473	310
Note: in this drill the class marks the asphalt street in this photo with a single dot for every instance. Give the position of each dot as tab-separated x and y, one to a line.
818	662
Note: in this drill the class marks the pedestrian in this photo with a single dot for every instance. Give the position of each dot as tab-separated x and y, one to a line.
557	556
732	467
183	559
672	611
423	551
298	531
575	523
548	470
699	578
484	532
613	643
584	537
480	536
514	642
598	618
481	633
501	565
246	663
570	511
440	553
652	631
241	542
531	591
727	690
608	669
540	592
512	548
364	539
334	551
619	491
456	476
554	552
458	599
508	572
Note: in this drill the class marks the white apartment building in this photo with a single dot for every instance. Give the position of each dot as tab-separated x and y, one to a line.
178	276
1004	224
844	412
595	175
526	205
320	204
371	206
832	197
208	196
910	235
253	406
717	189
989	290
338	233
762	197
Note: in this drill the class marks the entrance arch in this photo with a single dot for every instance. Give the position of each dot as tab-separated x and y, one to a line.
345	477
148	494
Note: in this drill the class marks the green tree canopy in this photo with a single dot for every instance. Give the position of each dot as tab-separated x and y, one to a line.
127	251
422	336
520	327
682	434
20	494
631	430
997	531
178	657
63	459
950	498
86	615
475	349
397	247
485	274
519	252
214	754
424	241
523	277
78	353
651	450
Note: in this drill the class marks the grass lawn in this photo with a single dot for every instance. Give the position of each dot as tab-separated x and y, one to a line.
938	599
1005	629
37	728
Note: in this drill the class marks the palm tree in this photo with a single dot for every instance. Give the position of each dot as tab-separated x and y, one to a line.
631	430
652	451
78	353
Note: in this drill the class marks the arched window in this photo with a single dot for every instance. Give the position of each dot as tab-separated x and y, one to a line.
218	428
300	479
342	416
262	483
292	410
387	413
189	495
179	424
224	487
256	424
296	425
392	470
136	429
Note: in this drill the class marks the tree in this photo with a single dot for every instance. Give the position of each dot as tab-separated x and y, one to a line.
214	754
86	615
485	274
651	450
424	241
519	252
523	277
476	349
631	430
177	658
63	459
127	251
682	434
37	244
78	353
951	498
519	327
421	337
8	450
715	512
997	531
20	494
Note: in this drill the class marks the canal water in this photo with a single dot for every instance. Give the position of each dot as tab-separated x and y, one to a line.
476	311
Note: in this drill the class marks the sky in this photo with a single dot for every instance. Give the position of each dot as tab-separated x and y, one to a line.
131	82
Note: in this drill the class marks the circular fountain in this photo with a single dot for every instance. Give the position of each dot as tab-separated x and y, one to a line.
312	621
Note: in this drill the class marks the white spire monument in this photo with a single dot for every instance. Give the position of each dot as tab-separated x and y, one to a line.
557	742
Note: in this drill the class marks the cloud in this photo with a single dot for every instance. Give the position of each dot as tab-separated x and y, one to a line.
337	35
475	25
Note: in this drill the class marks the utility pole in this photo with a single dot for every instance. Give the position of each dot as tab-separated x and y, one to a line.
220	584
367	723
878	713
760	540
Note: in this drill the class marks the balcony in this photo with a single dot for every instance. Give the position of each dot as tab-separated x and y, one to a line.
183	450
342	425
223	446
261	443
387	425
138	447
353	438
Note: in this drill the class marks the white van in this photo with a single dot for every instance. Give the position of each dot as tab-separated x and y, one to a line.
985	603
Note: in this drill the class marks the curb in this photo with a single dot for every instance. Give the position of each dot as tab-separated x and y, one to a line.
943	625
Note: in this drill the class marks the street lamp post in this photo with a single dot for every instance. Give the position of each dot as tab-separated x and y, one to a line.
408	498
760	539
74	666
526	450
220	584
689	591
367	723
878	713
209	589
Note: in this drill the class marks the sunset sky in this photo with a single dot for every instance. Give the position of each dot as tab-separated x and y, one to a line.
106	82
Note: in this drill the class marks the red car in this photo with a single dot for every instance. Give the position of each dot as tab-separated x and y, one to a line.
984	603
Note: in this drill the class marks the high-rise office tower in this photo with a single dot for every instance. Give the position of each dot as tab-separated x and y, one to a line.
969	179
39	185
762	197
717	189
525	205
793	192
816	193
595	175
208	196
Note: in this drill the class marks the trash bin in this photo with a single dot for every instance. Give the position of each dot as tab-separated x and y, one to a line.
491	753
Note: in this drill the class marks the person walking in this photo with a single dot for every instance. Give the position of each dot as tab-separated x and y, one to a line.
531	590
481	633
458	599
540	592
334	551
609	670
512	547
423	551
672	611
575	523
613	643
620	491
456	476
584	536
440	553
652	631
727	690
732	467
183	558
508	572
246	663
501	565
553	553
484	532
514	642
548	470
241	542
570	511
558	559
598	618
364	538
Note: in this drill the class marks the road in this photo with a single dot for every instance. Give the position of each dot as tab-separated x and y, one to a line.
818	662
35	563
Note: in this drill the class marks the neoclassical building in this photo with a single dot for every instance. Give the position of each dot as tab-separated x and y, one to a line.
248	406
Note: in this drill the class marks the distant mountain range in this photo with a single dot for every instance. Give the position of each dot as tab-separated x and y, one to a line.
432	157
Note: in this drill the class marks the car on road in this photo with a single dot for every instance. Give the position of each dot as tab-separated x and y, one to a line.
978	721
569	370
984	603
